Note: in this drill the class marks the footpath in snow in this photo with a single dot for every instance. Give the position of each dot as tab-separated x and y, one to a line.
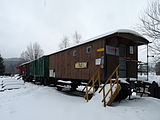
34	102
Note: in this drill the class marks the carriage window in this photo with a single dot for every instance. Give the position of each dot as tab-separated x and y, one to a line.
89	49
75	53
131	50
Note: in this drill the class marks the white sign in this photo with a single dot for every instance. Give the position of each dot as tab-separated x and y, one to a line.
98	61
52	73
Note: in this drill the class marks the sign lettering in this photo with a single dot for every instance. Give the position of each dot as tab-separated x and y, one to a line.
81	65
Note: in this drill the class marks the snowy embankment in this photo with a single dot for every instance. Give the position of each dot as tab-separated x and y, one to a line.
33	102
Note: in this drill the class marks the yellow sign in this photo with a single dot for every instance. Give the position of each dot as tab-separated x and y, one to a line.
100	50
81	65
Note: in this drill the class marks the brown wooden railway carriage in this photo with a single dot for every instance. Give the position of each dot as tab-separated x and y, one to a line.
80	63
105	52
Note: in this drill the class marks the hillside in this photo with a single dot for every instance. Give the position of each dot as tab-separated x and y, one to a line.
11	64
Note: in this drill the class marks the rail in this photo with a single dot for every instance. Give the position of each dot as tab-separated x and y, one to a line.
114	89
94	79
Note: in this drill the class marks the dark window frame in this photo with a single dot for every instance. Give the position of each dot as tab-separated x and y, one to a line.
131	50
89	49
74	53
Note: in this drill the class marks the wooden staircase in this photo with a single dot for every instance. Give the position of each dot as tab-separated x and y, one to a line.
93	84
112	91
111	97
114	88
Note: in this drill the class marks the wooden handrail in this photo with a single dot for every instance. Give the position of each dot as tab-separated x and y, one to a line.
96	78
109	78
112	84
93	79
109	90
88	83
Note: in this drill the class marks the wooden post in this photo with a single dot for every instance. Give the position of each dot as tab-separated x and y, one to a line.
99	78
104	97
117	76
87	93
111	86
93	82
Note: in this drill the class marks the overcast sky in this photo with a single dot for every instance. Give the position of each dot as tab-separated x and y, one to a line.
47	21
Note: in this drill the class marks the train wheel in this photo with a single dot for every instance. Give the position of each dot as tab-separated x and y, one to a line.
74	87
55	82
59	88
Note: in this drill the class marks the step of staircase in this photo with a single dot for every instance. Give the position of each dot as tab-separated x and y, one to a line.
116	92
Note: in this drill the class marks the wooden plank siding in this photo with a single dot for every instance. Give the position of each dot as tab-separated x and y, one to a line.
112	61
64	62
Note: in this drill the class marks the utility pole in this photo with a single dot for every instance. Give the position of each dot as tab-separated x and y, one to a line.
147	60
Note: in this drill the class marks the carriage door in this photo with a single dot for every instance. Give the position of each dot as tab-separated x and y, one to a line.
122	61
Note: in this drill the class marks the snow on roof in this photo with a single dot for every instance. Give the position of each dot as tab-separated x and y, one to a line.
101	36
129	31
31	61
95	38
26	62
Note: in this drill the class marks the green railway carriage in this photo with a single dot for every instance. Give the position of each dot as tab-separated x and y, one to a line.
32	68
39	67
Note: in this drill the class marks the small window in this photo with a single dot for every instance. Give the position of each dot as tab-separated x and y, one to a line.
89	49
75	53
131	50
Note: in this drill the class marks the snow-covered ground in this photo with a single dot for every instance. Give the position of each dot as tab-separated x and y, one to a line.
151	77
34	102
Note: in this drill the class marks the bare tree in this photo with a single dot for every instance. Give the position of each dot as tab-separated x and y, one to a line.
76	37
33	52
150	27
64	43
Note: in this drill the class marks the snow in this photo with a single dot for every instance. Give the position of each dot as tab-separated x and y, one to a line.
103	35
8	84
35	102
69	82
95	38
128	31
151	77
123	80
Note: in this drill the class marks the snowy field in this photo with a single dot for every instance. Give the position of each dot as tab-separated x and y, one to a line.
152	77
34	102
